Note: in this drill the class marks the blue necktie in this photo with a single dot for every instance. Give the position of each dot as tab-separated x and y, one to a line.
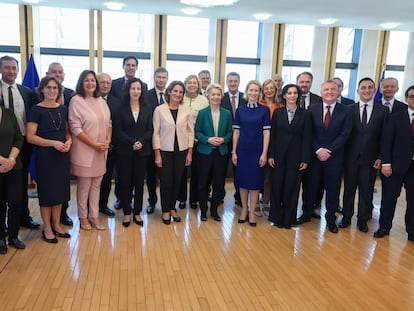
161	98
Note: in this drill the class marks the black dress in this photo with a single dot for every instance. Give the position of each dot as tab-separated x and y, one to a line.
52	166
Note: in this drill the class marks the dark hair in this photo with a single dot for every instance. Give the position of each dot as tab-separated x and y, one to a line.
286	88
126	97
232	73
170	87
338	79
79	86
44	82
305	73
160	69
204	71
6	58
366	79
126	58
408	90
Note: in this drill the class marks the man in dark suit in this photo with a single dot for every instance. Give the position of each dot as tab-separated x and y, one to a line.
362	154
341	99
398	167
155	97
331	126
130	66
105	83
389	87
56	70
205	79
231	100
23	99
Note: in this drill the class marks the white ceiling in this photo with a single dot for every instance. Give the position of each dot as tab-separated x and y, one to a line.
365	14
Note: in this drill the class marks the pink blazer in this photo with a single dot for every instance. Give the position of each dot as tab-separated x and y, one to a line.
91	115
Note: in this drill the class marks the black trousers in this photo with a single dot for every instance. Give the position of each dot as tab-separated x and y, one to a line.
25	155
182	194
106	184
211	170
391	189
361	177
284	195
11	197
152	180
131	175
170	174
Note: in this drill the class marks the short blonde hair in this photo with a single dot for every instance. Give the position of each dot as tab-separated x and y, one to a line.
190	77
214	86
255	82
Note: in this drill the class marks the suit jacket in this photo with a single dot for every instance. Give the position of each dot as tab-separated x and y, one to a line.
346	101
127	131
226	102
152	99
364	143
204	130
397	106
314	99
29	97
290	144
398	143
67	95
114	105
118	86
335	136
166	129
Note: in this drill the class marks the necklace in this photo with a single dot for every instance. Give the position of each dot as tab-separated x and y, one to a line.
54	121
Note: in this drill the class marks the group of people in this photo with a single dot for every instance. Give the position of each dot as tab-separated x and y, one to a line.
276	137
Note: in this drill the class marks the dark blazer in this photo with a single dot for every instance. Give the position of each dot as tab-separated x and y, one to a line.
118	86
398	143
314	99
226	102
29	97
397	106
364	143
152	99
67	95
346	101
204	129
290	143
127	131
336	135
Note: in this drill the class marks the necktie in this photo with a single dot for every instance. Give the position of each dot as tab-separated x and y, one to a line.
161	98
303	102
11	102
233	104
364	120
327	118
388	105
412	124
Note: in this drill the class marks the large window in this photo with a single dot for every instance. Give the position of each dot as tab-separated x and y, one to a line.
124	34
297	51
242	50
10	39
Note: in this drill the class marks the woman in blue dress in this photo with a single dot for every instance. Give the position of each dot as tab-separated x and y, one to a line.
250	143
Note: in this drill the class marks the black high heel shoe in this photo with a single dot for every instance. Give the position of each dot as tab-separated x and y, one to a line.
166	221
126	223
176	218
242	221
138	222
64	235
52	240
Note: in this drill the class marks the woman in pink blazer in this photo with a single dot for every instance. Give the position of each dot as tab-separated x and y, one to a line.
91	127
172	142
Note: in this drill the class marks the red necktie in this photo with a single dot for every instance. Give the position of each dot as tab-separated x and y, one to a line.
327	118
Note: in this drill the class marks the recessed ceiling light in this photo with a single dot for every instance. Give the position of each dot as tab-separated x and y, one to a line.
31	1
190	11
262	16
328	21
115	6
389	25
208	3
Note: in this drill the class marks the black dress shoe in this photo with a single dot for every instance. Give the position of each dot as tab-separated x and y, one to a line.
52	240
203	217
316	215
252	224
339	209
166	221
176	218
117	204
345	222
362	226
181	205
302	219
107	211
150	209
138	222
15	242
193	205
380	233
3	246
332	227
410	237
217	218
31	224
65	220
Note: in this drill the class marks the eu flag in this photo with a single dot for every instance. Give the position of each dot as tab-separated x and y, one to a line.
31	77
378	94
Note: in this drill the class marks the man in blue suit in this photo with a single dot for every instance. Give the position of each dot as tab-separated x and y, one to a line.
397	152
331	127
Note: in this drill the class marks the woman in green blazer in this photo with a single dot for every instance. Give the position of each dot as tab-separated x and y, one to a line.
213	130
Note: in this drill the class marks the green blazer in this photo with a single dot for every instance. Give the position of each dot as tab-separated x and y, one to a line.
204	129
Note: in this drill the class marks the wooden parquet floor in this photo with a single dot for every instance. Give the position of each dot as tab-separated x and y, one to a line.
196	265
